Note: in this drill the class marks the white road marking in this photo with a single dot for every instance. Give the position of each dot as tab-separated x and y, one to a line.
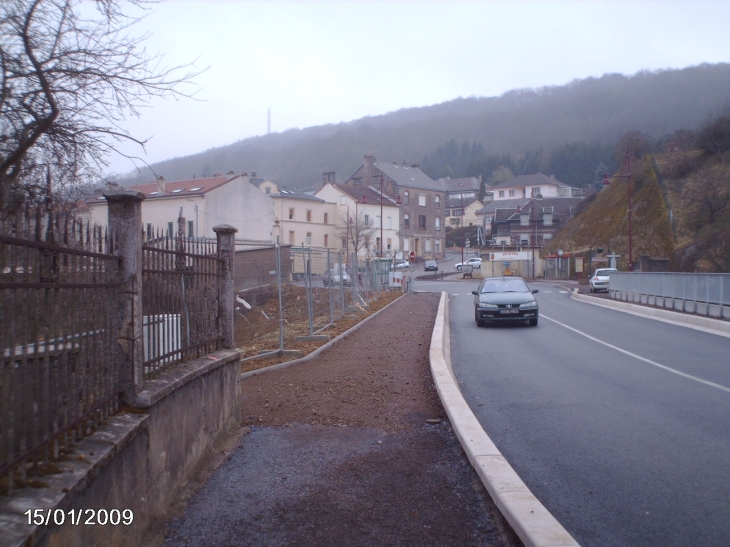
564	292
640	358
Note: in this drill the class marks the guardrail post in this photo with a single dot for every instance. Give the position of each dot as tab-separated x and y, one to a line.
226	250
125	222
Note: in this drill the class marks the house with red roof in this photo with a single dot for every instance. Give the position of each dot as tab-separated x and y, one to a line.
204	203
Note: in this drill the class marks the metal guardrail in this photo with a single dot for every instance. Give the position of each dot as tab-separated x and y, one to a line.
694	287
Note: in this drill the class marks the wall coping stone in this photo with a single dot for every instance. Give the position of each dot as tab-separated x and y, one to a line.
156	389
60	489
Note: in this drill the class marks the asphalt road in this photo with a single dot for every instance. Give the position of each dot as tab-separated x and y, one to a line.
619	425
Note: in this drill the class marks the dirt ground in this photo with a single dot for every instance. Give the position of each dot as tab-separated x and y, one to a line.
350	448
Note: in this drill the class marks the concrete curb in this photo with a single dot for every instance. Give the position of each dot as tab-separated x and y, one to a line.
704	324
532	522
320	349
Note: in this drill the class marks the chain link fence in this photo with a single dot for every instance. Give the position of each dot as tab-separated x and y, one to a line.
287	294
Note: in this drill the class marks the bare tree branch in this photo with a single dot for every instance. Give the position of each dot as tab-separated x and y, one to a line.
67	83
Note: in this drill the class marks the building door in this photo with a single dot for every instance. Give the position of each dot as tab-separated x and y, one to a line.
417	246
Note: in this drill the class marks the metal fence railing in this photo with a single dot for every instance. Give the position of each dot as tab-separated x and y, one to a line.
58	327
285	294
179	300
694	287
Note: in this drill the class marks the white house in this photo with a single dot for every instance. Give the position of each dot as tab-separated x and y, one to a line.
204	203
533	186
364	203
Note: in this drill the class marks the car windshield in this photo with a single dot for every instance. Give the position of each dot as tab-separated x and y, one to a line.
605	273
504	285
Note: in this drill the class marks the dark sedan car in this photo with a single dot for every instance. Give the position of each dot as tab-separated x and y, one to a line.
431	266
504	299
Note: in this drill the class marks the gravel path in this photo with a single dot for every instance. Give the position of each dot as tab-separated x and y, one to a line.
351	448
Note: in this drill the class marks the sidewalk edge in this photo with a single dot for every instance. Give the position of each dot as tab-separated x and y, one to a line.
532	522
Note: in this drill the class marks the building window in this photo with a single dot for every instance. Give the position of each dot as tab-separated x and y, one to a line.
501	193
291	237
447	212
309	215
357	180
406	221
169	229
428	245
326	218
389	222
407	244
291	213
390	243
326	239
343	200
511	193
437	201
309	238
191	228
438	246
422	222
344	243
437	223
406	198
367	220
268	191
421	200
536	191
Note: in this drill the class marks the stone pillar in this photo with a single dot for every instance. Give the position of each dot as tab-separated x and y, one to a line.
226	251
125	222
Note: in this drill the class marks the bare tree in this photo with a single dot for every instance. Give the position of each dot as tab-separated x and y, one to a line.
69	77
357	230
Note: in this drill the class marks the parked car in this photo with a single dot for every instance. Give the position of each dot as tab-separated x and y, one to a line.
431	266
400	265
505	299
473	261
333	277
599	279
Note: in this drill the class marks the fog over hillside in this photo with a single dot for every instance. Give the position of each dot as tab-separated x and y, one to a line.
593	110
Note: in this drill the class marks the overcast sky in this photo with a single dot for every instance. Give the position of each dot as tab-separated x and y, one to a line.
316	63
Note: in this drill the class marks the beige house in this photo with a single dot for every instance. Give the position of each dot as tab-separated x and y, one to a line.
304	220
204	203
361	206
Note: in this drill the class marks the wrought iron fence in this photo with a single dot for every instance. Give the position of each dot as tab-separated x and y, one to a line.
180	294
58	328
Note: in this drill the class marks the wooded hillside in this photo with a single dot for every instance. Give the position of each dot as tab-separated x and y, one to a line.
681	205
531	126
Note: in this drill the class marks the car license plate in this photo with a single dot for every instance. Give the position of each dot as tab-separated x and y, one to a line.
509	311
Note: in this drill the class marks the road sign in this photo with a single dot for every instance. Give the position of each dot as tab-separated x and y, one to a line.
412	256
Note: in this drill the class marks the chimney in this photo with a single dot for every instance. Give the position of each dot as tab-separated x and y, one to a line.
405	164
369	161
416	165
328	177
161	184
253	174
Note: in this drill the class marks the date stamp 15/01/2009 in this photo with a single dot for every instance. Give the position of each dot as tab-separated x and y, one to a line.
80	517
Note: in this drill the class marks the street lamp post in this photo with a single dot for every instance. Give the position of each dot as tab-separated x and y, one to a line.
627	176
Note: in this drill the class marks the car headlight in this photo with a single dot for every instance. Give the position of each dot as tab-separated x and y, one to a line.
528	306
487	305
